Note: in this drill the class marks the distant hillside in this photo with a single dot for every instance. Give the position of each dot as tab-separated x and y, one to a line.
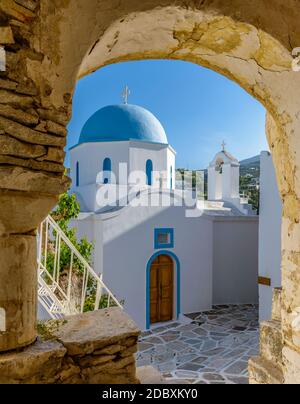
250	167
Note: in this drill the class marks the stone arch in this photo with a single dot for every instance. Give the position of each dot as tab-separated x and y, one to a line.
50	44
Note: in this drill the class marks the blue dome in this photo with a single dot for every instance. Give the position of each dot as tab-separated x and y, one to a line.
123	122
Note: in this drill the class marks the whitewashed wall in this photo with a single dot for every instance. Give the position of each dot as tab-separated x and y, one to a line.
91	156
129	244
235	260
269	234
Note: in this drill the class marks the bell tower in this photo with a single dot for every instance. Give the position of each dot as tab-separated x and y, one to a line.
224	177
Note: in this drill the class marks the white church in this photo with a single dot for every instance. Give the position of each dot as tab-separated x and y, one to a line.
160	257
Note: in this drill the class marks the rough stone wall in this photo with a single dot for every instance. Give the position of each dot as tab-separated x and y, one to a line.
32	138
94	348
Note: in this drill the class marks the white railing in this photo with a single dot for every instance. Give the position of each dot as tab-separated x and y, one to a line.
73	288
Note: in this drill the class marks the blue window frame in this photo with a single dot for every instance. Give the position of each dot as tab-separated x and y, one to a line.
149	170
77	174
107	170
171	177
163	238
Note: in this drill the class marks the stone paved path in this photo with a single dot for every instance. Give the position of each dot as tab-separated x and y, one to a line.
209	348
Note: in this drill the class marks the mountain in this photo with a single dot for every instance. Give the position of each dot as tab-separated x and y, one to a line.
250	167
251	160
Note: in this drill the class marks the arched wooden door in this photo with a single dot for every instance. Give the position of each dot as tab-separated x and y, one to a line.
161	289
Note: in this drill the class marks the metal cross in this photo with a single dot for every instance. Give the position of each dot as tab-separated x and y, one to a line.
126	94
223	145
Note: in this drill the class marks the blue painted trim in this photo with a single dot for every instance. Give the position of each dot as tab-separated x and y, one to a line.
149	171
178	303
77	174
110	140
169	231
107	170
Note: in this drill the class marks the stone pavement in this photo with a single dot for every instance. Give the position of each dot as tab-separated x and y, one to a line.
209	348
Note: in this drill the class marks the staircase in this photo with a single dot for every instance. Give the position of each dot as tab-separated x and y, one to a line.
63	299
267	368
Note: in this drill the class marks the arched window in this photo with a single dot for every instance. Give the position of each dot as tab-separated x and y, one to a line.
77	174
171	177
149	170
2	320
107	170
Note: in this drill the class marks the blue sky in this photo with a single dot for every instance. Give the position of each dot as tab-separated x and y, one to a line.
197	107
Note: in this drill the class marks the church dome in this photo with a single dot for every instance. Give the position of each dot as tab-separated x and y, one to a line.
123	122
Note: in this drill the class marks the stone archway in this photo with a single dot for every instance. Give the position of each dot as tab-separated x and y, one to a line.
50	44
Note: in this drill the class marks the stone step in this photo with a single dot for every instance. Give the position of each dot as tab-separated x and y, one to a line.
262	371
276	305
271	342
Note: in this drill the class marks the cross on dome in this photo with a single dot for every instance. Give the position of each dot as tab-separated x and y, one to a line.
223	145
126	94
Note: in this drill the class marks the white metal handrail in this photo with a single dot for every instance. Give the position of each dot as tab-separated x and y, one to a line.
55	300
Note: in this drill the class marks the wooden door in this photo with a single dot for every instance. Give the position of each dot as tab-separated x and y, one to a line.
161	289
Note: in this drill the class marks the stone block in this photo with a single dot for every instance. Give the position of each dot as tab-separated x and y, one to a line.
90	360
109	350
271	341
29	4
276	305
38	363
18	115
6	36
264	372
8	85
22	179
29	135
17	100
54	154
291	365
57	129
13	147
14	10
30	163
89	332
54	115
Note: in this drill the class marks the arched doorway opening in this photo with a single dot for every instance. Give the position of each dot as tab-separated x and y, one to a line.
238	40
162	288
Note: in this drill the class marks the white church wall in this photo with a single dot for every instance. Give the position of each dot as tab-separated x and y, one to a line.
91	157
214	184
129	244
235	260
171	168
226	181
87	194
269	234
140	152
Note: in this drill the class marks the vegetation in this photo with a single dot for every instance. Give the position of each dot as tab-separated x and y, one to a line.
249	191
68	209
